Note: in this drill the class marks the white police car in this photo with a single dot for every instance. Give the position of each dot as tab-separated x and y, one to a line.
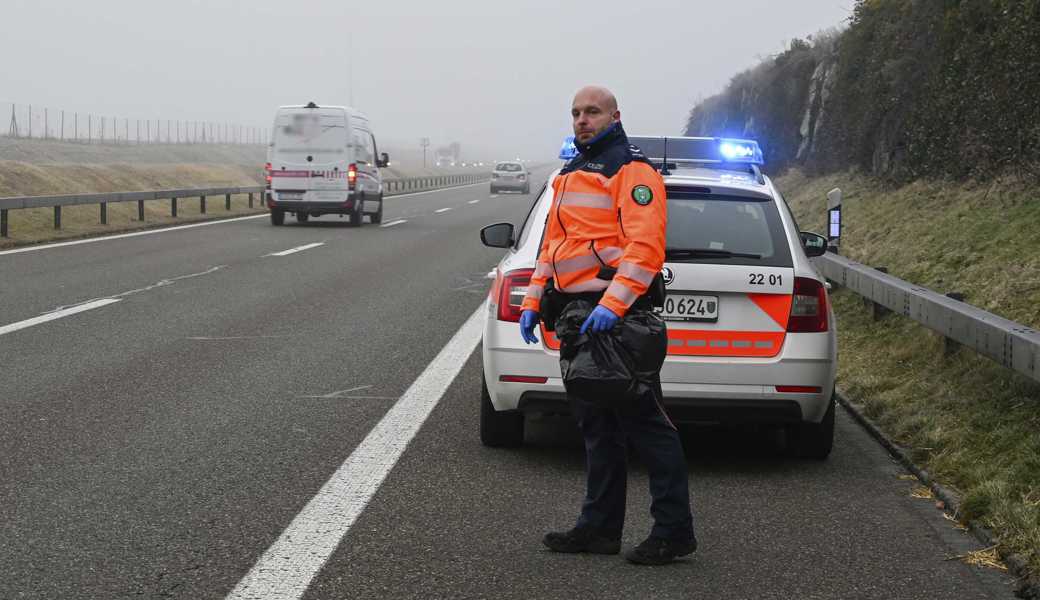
751	331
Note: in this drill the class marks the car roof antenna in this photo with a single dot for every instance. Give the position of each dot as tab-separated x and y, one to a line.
664	164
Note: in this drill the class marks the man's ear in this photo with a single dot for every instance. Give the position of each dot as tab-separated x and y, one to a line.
616	116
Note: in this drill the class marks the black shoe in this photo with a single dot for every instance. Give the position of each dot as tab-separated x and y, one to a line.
659	551
581	540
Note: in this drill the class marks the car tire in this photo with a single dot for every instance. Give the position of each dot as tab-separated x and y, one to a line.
377	217
493	190
499	429
813	440
277	216
527	189
356	216
302	217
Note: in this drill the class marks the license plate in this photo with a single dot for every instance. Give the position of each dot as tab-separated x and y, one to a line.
290	195
690	307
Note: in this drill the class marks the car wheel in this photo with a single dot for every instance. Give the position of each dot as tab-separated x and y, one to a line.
527	189
813	440
356	215
377	217
302	217
493	190
277	216
499	429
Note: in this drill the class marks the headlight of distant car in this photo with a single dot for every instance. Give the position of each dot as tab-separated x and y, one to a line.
521	177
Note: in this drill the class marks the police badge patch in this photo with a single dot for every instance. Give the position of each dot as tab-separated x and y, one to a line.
642	195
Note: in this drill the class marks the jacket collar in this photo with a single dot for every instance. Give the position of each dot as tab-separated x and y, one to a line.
610	136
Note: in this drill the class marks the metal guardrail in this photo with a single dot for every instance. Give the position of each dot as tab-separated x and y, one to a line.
390	187
1010	344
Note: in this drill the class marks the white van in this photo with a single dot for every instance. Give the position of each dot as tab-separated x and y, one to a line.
323	160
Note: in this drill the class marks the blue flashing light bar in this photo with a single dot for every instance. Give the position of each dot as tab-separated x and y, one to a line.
568	151
700	150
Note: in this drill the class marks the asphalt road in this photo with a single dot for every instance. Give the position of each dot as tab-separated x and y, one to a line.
159	445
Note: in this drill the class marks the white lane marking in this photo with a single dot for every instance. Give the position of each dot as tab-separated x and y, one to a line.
296	249
264	215
442	210
64	312
392	223
473	201
288	566
332	395
147	288
494	195
235	337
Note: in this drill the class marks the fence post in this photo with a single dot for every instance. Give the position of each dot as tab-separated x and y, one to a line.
227	201
140	210
879	311
3	222
250	199
57	217
104	213
202	204
951	347
173	207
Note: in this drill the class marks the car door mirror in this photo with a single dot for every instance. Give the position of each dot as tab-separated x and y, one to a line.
384	160
499	235
814	244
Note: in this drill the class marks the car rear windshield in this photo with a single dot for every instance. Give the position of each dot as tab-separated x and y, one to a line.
310	132
722	223
513	167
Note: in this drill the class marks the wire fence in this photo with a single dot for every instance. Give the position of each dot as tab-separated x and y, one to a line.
28	121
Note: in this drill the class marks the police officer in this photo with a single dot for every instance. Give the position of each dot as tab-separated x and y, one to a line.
609	216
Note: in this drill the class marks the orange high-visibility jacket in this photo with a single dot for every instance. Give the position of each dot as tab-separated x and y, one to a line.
608	210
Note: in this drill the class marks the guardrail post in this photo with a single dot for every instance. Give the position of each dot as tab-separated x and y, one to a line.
227	201
140	210
951	347
878	310
173	207
3	222
57	217
202	204
104	213
250	199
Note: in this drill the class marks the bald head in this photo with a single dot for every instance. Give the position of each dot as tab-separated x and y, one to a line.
594	110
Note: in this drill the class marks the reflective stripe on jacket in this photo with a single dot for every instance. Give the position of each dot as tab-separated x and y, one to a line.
608	210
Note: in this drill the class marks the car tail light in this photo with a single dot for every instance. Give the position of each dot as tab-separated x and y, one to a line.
351	175
511	294
808	307
798	389
522	379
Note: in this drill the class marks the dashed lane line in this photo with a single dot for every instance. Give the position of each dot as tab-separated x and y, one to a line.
392	223
287	568
473	201
442	210
296	249
58	314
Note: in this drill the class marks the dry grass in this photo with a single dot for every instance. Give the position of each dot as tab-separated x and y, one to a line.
973	424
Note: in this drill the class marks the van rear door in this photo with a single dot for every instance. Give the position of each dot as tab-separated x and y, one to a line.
310	155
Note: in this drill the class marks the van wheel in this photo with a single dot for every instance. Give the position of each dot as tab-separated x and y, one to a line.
277	216
356	215
499	429
302	217
377	217
813	440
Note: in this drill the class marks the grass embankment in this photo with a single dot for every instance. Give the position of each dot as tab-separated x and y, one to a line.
35	225
971	423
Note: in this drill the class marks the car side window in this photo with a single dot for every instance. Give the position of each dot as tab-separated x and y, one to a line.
362	147
525	229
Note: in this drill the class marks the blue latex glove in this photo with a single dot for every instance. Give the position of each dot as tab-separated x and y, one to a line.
601	319
528	321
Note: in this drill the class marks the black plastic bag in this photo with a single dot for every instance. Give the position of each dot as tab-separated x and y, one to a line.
620	364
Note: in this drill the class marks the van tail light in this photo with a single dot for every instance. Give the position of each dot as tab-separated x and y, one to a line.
808	307
267	175
511	294
351	175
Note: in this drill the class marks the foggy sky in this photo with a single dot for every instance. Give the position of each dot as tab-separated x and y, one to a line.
496	76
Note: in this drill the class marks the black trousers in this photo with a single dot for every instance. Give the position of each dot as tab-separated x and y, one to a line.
607	425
